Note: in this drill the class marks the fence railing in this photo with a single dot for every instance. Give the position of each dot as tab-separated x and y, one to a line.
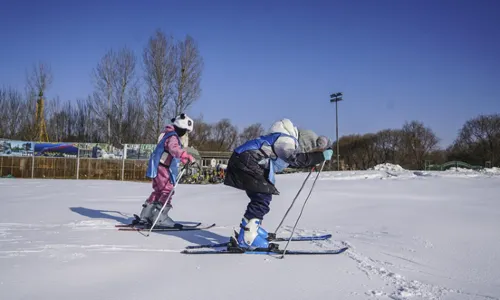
73	168
90	168
29	159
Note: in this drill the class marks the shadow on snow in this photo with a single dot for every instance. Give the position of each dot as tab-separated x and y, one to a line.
102	214
198	237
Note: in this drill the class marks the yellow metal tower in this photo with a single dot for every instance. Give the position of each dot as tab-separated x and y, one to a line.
41	128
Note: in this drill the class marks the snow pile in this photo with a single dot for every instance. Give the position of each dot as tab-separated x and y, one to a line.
349	175
461	172
492	171
388	167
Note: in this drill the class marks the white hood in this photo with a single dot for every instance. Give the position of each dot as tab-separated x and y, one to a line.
285	126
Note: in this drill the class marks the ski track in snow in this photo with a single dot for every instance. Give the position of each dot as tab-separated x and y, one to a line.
403	288
395	253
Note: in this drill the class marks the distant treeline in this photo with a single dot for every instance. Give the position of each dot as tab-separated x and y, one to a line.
135	96
477	143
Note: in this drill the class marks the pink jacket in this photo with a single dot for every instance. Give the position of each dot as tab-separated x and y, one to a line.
171	146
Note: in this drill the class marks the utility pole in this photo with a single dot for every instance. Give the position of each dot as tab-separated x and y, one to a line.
336	97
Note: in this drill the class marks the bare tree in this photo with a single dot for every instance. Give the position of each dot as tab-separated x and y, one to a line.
225	135
201	135
159	58
388	145
4	117
369	141
11	111
82	120
134	120
104	78
38	80
409	147
63	120
349	150
479	140
438	156
55	119
88	122
26	120
188	75
418	142
362	151
125	86
3	113
251	132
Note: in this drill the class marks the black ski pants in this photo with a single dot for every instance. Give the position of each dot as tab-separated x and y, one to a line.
258	206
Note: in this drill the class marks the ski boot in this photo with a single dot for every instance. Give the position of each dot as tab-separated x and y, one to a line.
144	218
268	236
164	220
261	231
251	237
150	212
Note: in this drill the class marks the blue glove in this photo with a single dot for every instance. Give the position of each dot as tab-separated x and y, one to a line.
328	154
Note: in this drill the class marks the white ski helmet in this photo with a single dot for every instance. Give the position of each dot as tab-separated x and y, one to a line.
183	121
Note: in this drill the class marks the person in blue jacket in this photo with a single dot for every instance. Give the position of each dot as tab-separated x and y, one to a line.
252	168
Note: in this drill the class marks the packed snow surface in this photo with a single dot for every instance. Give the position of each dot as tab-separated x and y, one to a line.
412	235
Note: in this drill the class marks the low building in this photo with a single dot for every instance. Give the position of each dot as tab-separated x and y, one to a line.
210	159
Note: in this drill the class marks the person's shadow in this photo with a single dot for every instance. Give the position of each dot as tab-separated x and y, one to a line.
102	214
199	237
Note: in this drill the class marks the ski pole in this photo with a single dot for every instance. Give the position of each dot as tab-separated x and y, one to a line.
294	199
169	196
302	210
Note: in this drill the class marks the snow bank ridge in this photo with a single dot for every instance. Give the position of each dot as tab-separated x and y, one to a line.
388	167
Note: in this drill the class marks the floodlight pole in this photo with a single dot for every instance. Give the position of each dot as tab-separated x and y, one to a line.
336	97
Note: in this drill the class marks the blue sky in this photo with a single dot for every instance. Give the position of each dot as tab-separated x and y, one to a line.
433	61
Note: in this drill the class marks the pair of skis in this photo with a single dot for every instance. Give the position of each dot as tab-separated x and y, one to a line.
267	251
276	239
230	247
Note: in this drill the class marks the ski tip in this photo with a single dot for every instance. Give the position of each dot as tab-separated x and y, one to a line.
123	225
214	245
198	225
321	237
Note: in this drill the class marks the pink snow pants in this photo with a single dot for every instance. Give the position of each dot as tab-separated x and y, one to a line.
162	186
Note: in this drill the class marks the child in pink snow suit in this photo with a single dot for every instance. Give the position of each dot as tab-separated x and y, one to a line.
163	168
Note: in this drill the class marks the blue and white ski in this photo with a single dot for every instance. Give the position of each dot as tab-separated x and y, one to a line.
267	252
277	239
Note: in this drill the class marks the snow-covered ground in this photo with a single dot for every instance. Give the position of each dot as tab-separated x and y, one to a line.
413	235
